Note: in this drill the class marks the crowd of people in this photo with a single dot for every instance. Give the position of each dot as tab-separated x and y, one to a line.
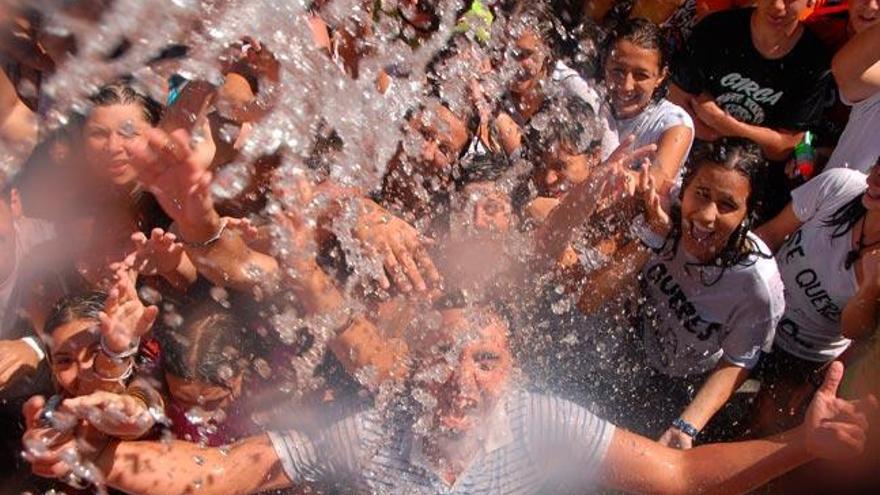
621	244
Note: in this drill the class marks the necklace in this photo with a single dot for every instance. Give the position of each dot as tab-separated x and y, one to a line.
854	254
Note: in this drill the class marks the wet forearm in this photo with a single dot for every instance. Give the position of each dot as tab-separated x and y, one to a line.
740	467
608	281
176	468
714	393
229	262
859	317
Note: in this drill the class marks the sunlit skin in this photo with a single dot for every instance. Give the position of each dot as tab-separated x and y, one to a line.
780	15
713	205
863	14
632	75
74	347
106	131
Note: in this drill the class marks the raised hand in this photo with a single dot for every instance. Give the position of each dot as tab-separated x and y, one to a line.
168	168
617	168
160	254
401	248
117	415
656	207
125	319
835	428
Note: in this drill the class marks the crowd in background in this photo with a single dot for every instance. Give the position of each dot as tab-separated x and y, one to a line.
619	243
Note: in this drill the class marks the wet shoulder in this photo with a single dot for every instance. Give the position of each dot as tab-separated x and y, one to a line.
760	276
827	192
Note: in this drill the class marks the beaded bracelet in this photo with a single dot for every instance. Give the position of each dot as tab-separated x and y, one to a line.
685	427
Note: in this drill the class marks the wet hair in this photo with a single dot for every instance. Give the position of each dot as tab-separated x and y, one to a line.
75	307
845	218
644	34
123	94
210	347
488	167
565	119
745	158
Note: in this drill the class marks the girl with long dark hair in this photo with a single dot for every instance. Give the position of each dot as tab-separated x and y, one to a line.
824	242
710	293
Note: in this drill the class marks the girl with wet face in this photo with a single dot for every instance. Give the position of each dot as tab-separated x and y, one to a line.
636	71
108	215
710	293
204	364
92	360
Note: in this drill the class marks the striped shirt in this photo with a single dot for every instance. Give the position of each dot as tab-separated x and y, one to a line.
536	444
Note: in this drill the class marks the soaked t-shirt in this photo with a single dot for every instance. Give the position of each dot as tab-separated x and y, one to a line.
532	444
720	59
647	127
650	125
812	262
694	315
859	146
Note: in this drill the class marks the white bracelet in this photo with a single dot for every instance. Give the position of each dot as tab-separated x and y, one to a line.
640	230
121	378
118	357
198	245
35	346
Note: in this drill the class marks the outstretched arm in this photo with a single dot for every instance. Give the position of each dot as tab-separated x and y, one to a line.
177	468
638	465
714	393
169	168
833	429
583	199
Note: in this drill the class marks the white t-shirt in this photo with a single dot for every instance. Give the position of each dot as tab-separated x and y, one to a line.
29	233
689	322
647	126
859	146
817	283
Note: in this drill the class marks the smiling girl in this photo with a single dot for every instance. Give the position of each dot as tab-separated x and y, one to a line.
710	293
636	70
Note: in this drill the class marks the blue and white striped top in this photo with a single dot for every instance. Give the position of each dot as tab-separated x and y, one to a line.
537	444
